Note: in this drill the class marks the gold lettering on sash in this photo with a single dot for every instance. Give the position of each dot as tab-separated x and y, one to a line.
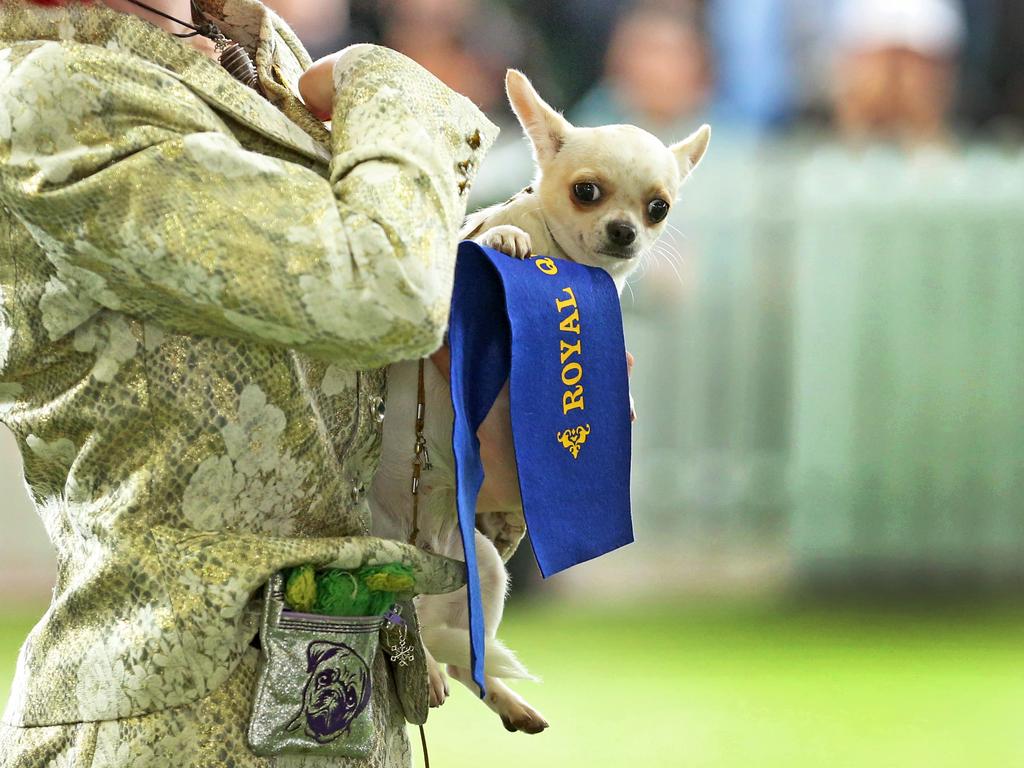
546	265
569	350
563	303
571	324
571	374
572	399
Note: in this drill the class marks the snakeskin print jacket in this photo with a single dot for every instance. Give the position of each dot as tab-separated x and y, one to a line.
200	287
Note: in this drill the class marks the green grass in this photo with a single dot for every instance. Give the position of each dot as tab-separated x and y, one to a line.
752	685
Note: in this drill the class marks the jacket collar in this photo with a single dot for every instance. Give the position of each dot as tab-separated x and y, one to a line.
279	59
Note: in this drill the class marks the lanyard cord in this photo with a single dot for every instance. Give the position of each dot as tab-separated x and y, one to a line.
208	29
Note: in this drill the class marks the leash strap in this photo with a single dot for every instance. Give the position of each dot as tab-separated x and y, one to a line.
423	744
420	457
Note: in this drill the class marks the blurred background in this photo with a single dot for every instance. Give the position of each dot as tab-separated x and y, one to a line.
828	470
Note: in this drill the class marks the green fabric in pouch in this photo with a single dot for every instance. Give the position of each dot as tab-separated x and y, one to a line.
314	691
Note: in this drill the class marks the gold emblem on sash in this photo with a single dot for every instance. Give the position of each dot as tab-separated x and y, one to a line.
573	439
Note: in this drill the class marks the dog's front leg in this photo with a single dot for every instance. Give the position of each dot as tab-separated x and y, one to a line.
438	681
431	610
509	239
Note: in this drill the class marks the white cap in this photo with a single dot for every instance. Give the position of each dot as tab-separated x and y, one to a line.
930	27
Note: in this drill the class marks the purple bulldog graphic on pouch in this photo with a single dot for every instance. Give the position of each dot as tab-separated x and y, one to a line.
336	691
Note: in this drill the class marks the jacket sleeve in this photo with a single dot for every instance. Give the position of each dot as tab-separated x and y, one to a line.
143	198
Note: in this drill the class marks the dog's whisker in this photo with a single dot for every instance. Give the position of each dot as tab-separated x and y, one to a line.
676	272
647	260
643	266
672	237
668	247
668	233
672	228
660	249
671	254
675	258
665	252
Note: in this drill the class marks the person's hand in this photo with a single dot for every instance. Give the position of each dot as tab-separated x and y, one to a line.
442	360
316	85
629	372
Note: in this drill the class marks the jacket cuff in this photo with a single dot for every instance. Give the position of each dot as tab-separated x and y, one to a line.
426	119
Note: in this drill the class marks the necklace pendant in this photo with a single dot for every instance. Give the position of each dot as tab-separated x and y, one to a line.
236	60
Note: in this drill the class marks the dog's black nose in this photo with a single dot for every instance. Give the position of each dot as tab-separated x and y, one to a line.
621	233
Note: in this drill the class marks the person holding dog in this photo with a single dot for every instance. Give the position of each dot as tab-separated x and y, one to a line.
200	286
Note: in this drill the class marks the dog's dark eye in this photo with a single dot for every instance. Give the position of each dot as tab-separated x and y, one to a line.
587	192
657	210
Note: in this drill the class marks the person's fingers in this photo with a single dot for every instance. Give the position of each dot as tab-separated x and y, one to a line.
629	362
316	86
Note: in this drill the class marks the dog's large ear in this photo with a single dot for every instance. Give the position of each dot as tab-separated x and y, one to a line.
690	150
545	127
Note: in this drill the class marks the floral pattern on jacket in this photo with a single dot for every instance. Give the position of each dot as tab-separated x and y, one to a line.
199	288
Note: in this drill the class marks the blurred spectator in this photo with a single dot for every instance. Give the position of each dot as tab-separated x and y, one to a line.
576	33
657	72
812	47
992	92
753	55
468	44
896	69
322	25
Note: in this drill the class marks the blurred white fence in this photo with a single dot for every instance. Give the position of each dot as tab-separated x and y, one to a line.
908	441
842	372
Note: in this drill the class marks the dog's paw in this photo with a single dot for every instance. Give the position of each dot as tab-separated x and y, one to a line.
508	239
438	682
516	714
505	529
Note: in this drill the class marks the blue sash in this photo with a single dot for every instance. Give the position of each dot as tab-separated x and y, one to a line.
553	328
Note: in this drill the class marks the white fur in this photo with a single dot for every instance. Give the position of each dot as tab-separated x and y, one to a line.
632	164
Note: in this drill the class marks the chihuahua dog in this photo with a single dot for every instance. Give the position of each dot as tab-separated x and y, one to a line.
600	197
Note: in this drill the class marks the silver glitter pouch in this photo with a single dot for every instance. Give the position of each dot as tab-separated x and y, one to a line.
314	689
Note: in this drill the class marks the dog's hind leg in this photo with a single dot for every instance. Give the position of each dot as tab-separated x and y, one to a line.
515	712
493	583
444	619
